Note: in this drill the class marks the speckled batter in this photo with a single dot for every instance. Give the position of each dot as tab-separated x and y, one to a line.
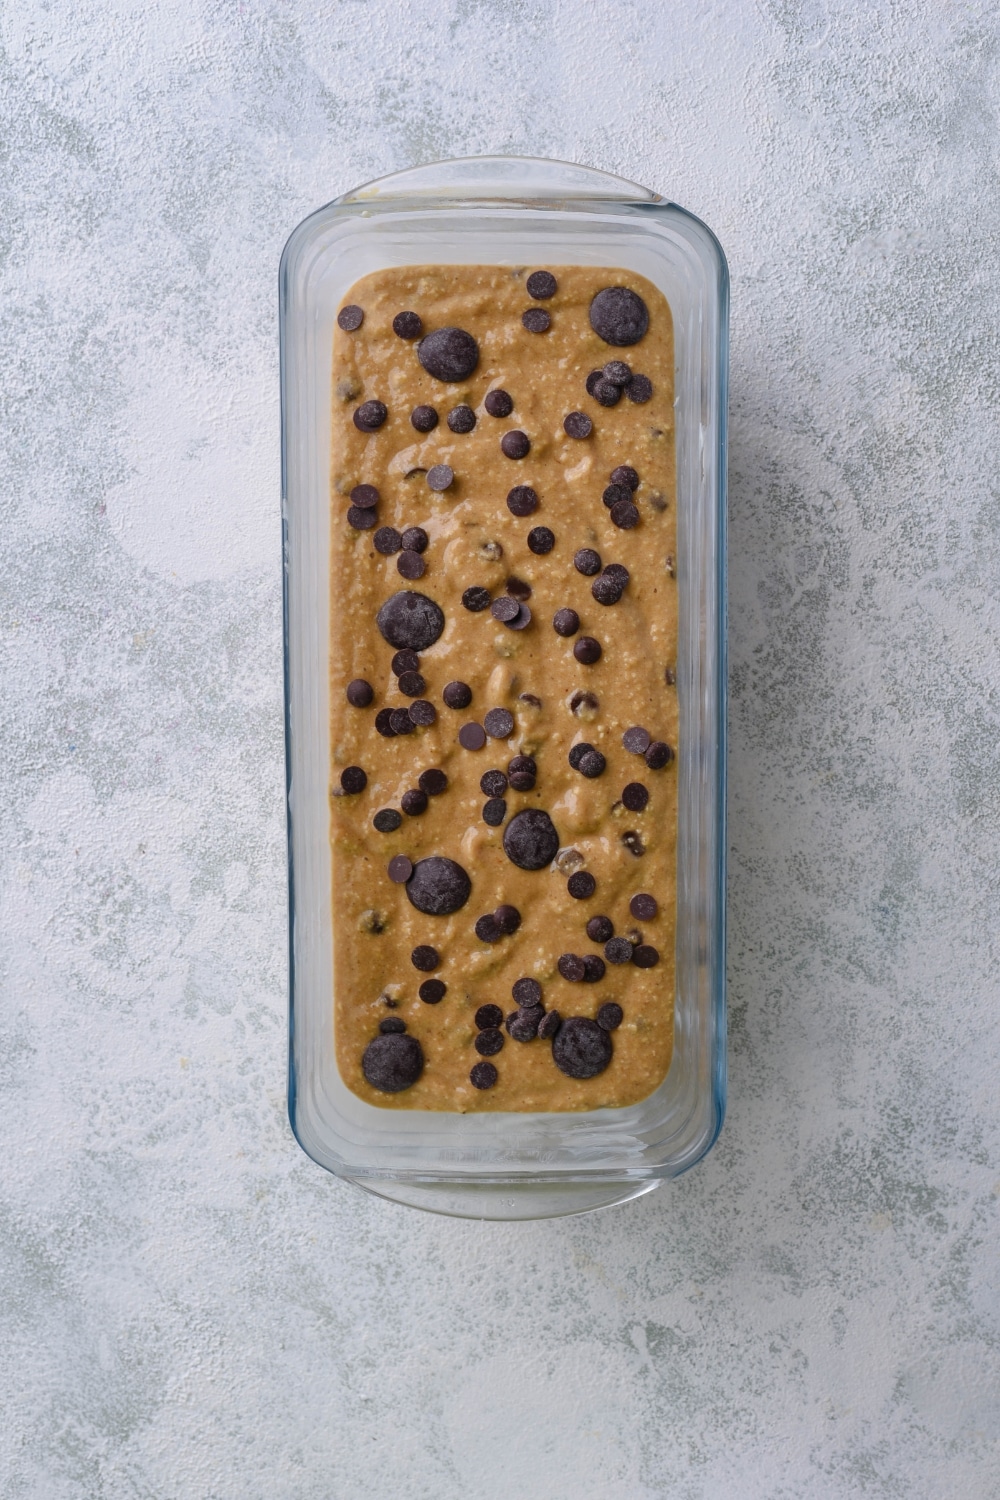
475	540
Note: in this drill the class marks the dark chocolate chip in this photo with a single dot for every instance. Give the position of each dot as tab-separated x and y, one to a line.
566	622
593	968
432	991
530	840
592	764
410	619
625	515
410	565
610	1016
540	540
617	573
498	403
360	693
519	763
461	419
541	285
387	820
522	781
536	320
425	958
424	418
457	695
370	415
619	316
483	1076
593	380
365	496
400	869
438	886
350	318
515	444
488	1016
618	950
626	475
494	811
505	608
413	803
509	918
587	650
405	661
433	782
577	753
587	561
393	1063
659	755
407	325
581	1049
576	424
635	796
499	723
549	1025
411	684
361	520
383	723
401	722
449	354
415	539
606	392
422	712
639	389
493	783
607	589
582	702
581	885
521	620
522	500
572	967
643	907
527	992
633	843
440	477
518	589
472	736
645	956
599	929
522	1025
636	739
392	1026
615	494
617	371
476	598
489	1041
488	929
353	780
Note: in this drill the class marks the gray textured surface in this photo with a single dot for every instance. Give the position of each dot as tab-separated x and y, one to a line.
190	1310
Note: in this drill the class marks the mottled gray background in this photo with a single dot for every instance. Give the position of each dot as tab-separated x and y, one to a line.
190	1310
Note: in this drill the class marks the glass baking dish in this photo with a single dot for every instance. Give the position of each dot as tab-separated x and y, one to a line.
508	211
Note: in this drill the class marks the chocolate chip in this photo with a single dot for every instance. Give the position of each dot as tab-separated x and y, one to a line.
432	991
610	1016
581	1049
617	573
587	650
400	869
393	1063
617	371
499	724
509	918
635	796
522	781
483	1076
476	598
619	316
438	886
425	958
615	494
392	1026
536	320
584	705
365	496
636	739
410	619
410	565
577	753
489	1042
515	444
522	1025
527	992
387	540
401	722
521	620
361	520
449	354
498	403
350	318
472	736
566	622
582	885
576	424
353	780
488	1016
411	684
659	755
457	694
599	929
461	419
360	693
643	907
488	929
624	515
541	285
549	1025
387	820
370	415
592	764
424	418
587	561
572	967
422	712
606	392
639	389
593	968
626	475
518	589
618	950
633	843
413	803
505	608
540	540
530	840
519	763
440	477
415	539
607	589
646	956
521	500
493	783
405	661
383	723
407	325
433	782
593	380
494	811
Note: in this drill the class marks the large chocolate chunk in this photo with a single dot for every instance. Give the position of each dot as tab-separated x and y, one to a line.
438	886
410	620
581	1048
531	841
393	1062
449	354
619	317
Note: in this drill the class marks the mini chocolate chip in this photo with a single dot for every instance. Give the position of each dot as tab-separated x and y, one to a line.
505	608
619	316
540	540
587	561
599	929
522	500
405	661
413	802
424	418
572	967
488	929
438	886
587	650
618	950
401	722
457	695
472	736
607	589
433	782
365	496
584	705
515	444
643	907
536	320
400	869
393	1063
392	1026
488	1016
370	415
526	992
410	619
530	840
449	354
489	1041
509	918
432	991
407	325
383	723
411	684
639	389
549	1025
617	493
422	712
617	371
494	811
361	520
499	724
635	796
582	885
425	958
577	753
461	419
387	820
541	285
476	598
624	515
566	622
592	764
593	968
636	739
633	843
606	392
576	424
360	693
645	956
522	781
626	475
593	380
440	477
610	1016
659	755
483	1076
410	565
353	780
350	318
498	403
415	539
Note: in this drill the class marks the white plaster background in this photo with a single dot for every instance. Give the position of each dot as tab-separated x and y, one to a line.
190	1309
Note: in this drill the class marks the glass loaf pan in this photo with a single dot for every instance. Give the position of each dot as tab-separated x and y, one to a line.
516	211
